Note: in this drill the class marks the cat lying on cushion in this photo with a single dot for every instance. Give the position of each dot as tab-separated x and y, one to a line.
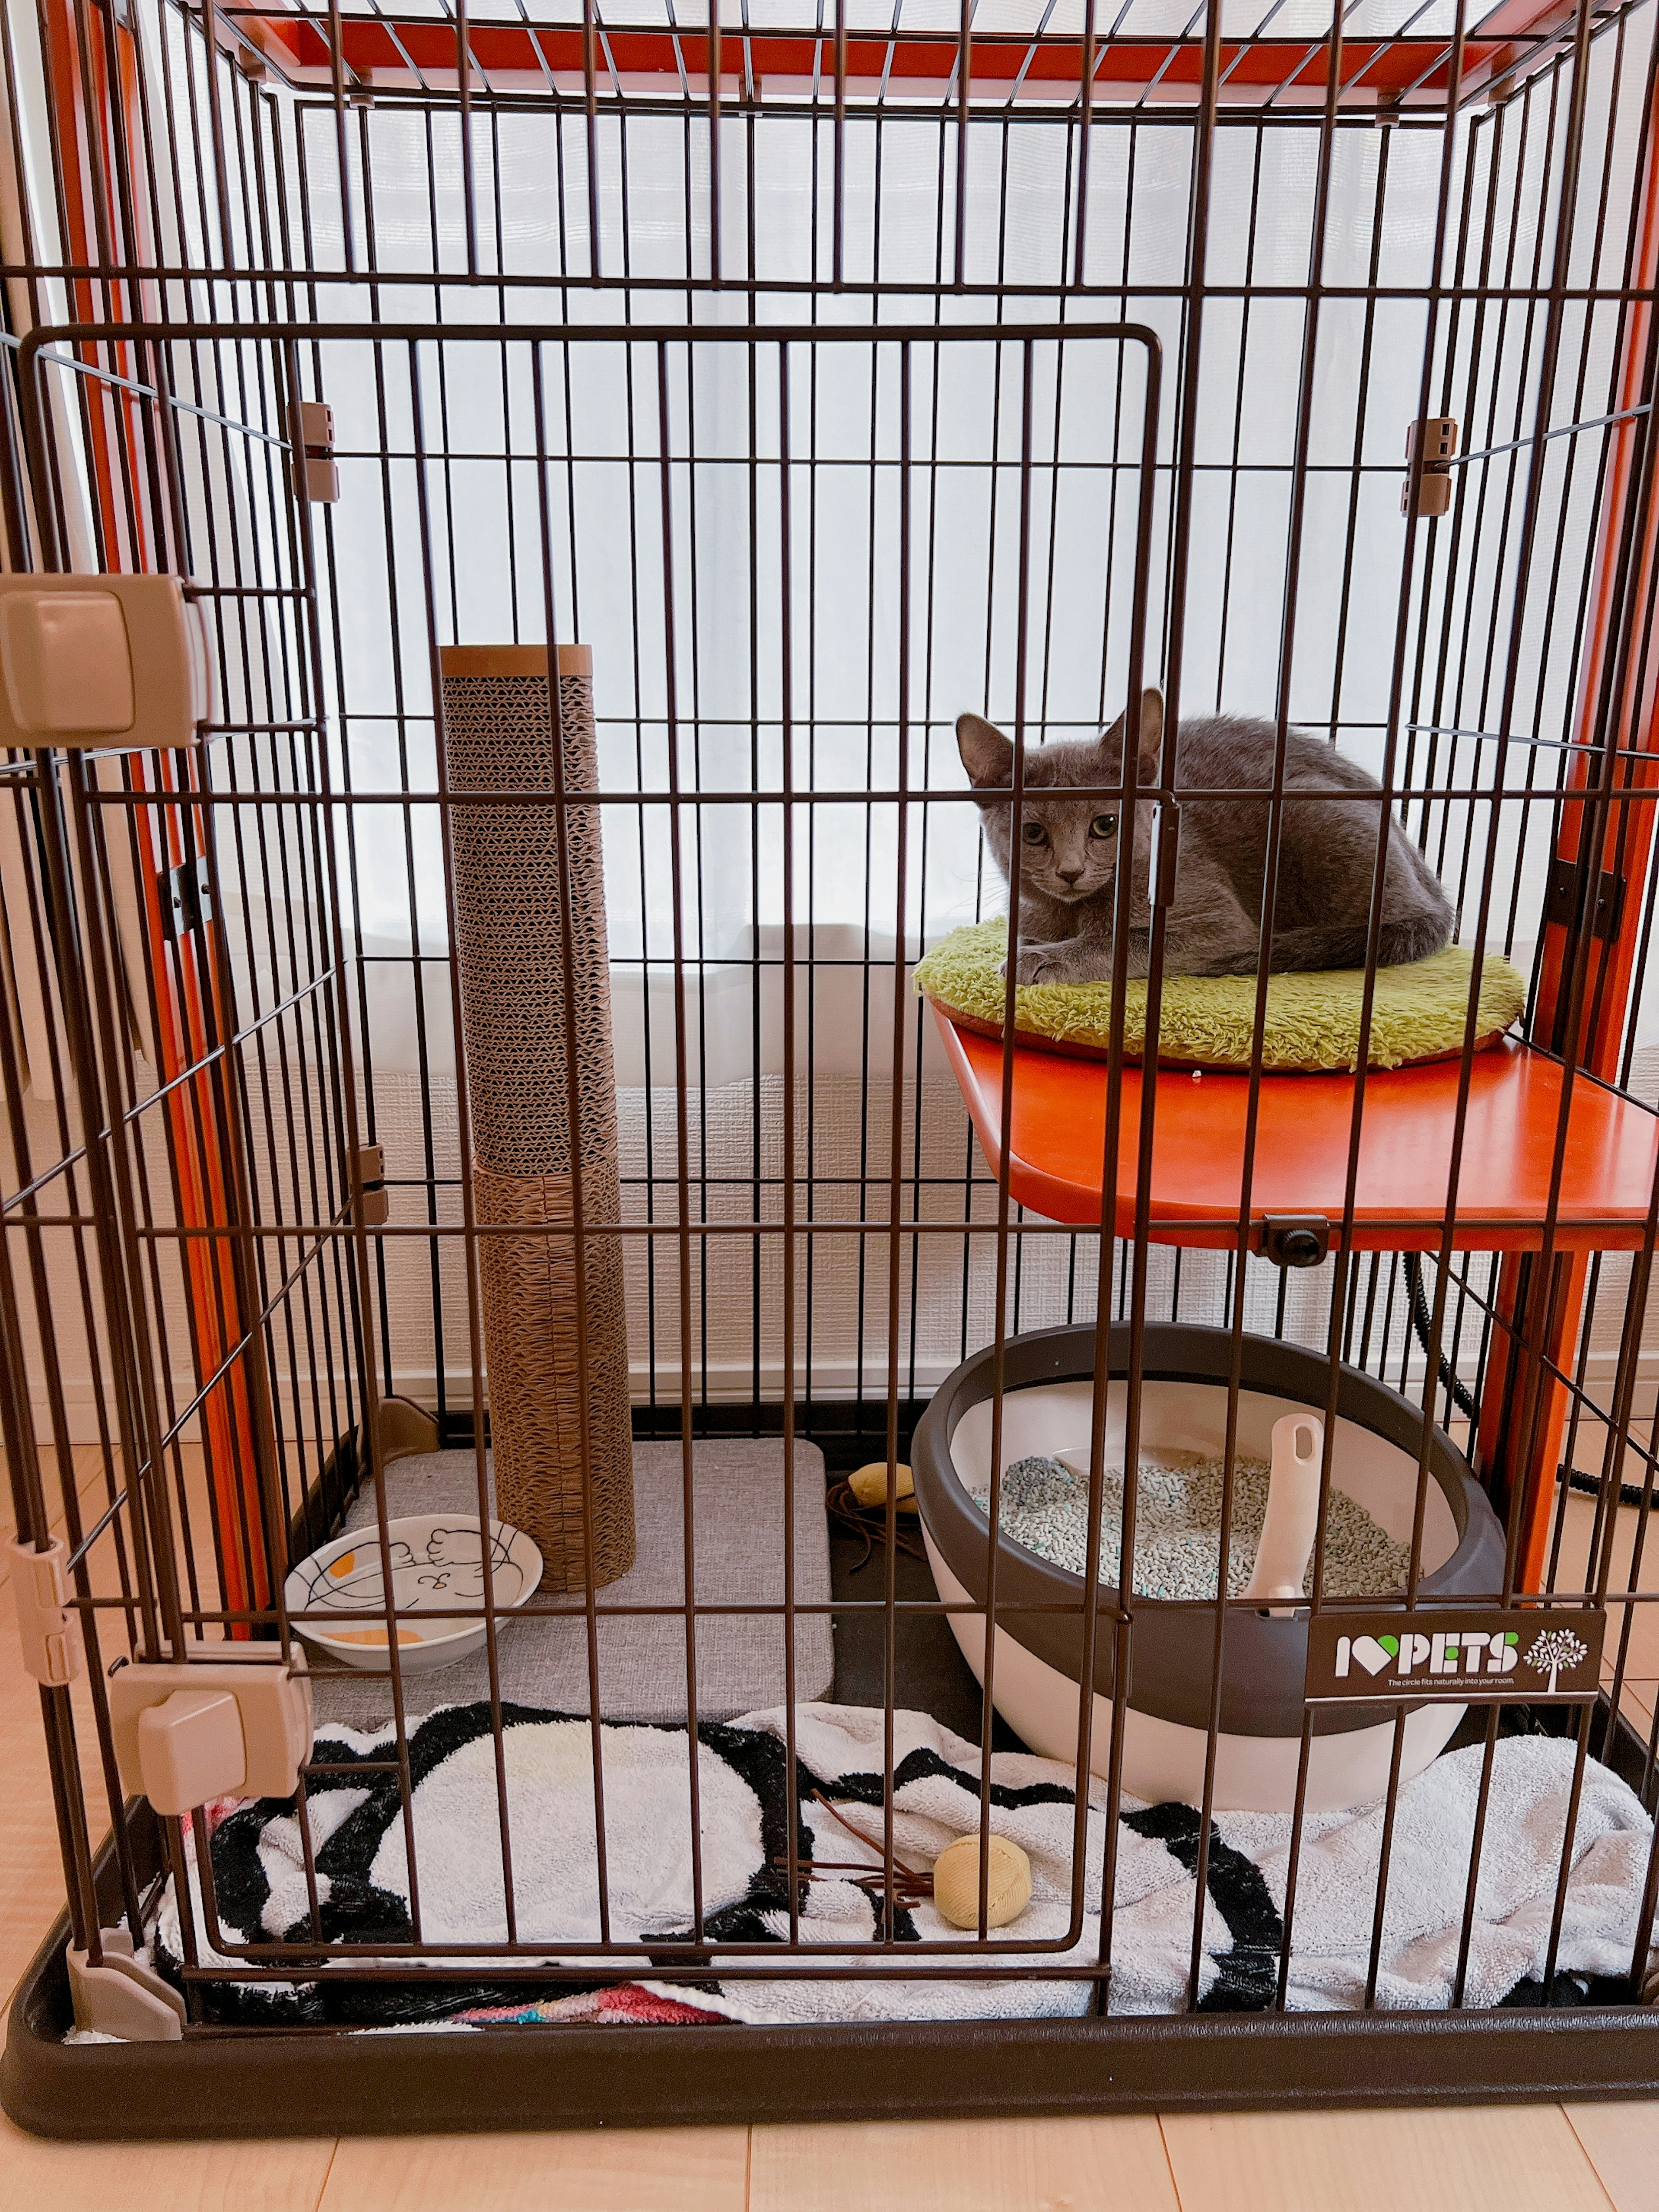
1326	853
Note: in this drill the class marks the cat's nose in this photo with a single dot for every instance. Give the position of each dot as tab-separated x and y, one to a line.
1068	875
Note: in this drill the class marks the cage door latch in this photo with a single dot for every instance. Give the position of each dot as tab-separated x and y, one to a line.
236	1725
1436	435
90	661
47	1622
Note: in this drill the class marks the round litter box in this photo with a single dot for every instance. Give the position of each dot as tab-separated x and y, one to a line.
1049	1388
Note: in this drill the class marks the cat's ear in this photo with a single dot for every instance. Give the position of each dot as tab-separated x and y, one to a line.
985	753
1151	734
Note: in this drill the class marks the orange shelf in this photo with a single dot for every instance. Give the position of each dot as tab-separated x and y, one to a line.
400	44
1304	1132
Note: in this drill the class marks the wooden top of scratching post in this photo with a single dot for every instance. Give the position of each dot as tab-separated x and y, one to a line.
512	659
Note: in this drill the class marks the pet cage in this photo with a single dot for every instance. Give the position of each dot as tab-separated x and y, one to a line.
824	376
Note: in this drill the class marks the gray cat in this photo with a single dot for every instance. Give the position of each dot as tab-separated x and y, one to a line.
1326	853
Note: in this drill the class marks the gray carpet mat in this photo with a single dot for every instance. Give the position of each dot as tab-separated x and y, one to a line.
737	1524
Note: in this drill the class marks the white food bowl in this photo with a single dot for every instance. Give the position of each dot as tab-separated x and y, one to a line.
437	1587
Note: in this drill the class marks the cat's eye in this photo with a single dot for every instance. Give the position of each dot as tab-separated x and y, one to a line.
1034	833
1104	825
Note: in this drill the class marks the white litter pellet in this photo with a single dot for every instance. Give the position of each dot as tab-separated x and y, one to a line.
1045	1507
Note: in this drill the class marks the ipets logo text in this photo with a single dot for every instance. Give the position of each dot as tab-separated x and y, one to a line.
1447	1651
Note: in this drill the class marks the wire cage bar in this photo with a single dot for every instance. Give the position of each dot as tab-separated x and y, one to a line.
828	378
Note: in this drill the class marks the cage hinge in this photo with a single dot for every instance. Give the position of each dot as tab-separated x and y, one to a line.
235	1725
316	474
186	899
1295	1240
1437	435
46	1622
1563	903
121	1995
373	1203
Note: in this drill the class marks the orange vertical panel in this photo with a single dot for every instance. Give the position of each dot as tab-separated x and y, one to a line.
189	1014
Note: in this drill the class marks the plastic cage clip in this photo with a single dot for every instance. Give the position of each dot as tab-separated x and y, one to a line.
375	1200
1437	435
121	1995
316	473
47	1622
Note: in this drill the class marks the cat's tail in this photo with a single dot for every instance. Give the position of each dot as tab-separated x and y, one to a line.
1405	938
1413	937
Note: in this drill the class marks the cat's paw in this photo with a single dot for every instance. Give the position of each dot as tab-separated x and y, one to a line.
1042	964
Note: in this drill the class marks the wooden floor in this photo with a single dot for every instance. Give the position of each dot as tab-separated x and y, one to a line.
1518	2159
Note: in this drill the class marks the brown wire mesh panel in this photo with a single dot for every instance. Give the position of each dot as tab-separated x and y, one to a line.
555	1328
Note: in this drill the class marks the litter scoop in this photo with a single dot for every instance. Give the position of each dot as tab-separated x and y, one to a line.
1293	1517
1291	1520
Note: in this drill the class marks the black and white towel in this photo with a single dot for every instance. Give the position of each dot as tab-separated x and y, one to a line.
362	1884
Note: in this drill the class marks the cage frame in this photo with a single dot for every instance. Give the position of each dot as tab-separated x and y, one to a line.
1104	2064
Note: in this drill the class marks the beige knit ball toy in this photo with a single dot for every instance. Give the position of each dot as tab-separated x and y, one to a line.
956	1882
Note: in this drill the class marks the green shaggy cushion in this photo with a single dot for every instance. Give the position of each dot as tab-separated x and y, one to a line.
1208	1021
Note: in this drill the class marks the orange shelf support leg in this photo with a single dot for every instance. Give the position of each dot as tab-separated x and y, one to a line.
1520	1451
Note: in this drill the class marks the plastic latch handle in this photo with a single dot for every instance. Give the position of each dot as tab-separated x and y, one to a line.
191	1748
1292	1516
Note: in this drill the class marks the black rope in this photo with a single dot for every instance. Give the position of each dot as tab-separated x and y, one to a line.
1630	1493
1423	1322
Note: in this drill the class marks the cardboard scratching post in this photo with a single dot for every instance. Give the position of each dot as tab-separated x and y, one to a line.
509	941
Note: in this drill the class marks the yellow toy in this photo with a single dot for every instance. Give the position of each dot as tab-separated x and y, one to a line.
869	1486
